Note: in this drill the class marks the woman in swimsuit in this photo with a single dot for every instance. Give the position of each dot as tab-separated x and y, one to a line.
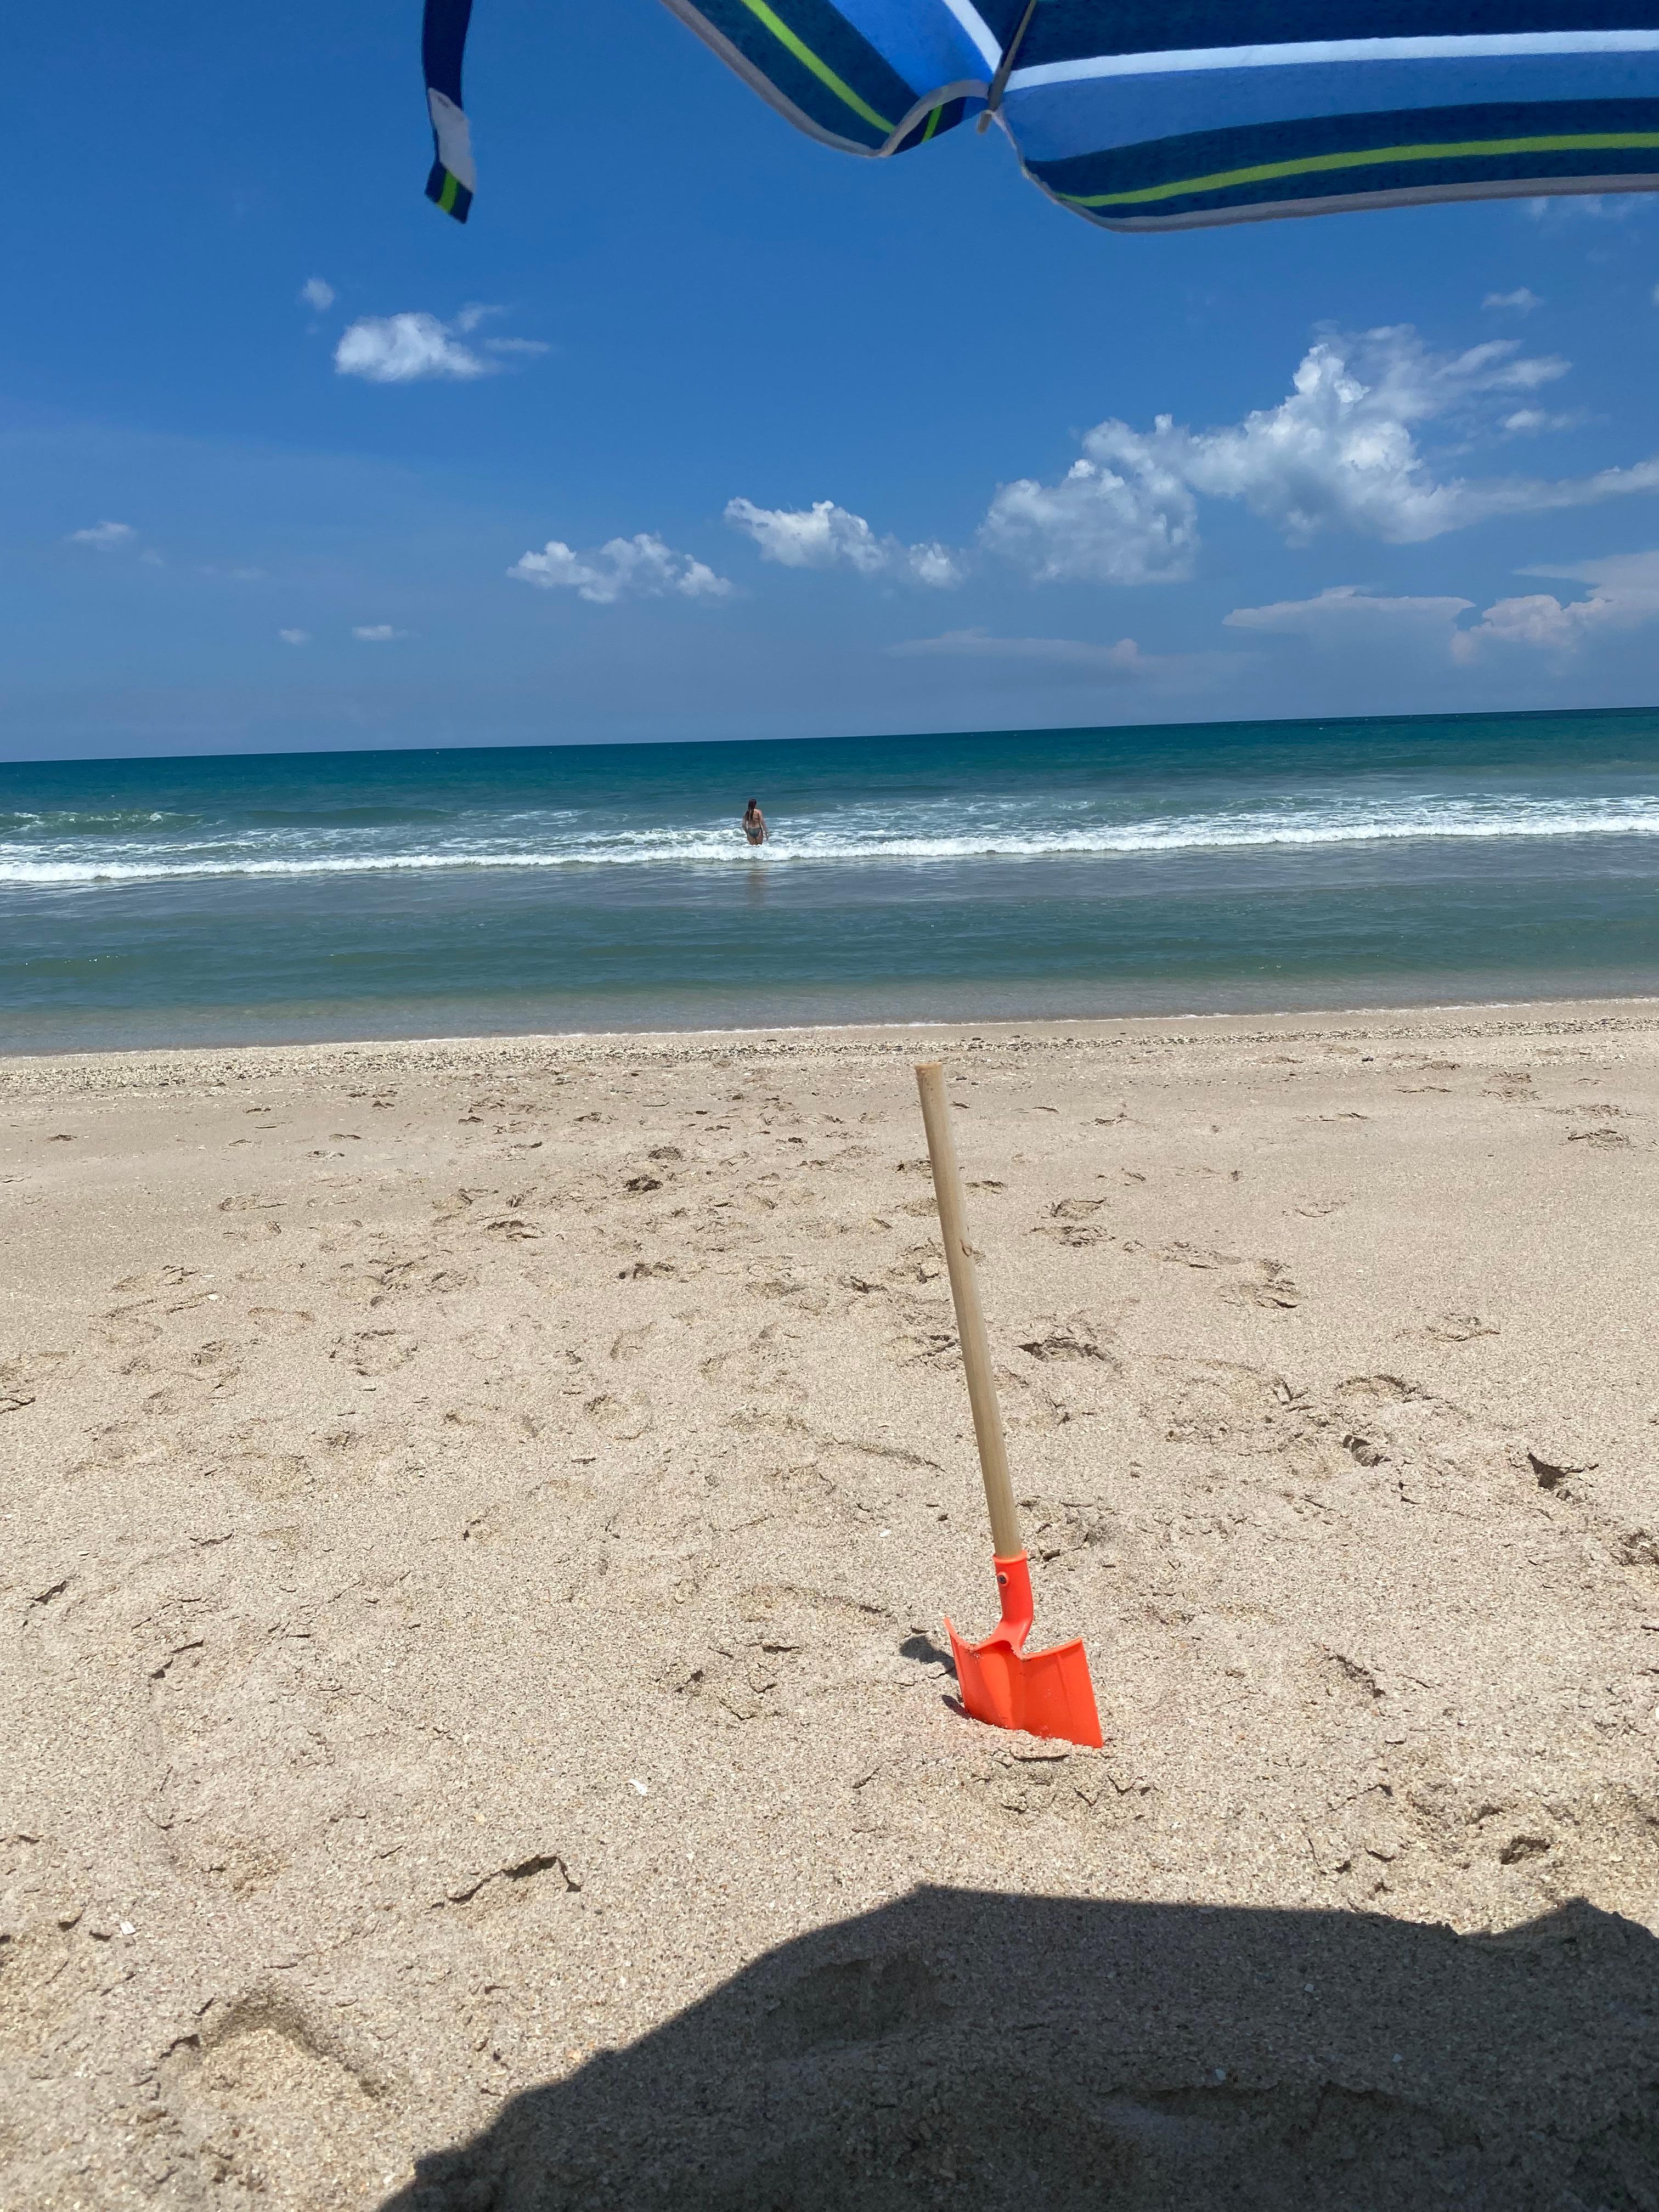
754	823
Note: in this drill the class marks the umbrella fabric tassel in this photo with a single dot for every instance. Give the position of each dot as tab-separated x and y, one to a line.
1044	1692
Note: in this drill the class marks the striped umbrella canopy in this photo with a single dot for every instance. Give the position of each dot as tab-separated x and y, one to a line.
1167	114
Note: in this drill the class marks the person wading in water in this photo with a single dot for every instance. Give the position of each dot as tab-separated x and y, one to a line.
754	823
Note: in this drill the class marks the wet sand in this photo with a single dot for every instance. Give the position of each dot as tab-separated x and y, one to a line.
477	1522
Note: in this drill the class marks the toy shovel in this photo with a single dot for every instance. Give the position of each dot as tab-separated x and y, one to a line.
1044	1692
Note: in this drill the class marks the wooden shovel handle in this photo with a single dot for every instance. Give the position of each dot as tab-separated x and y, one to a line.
970	1318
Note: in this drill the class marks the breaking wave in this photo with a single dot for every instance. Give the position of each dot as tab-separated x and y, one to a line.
85	851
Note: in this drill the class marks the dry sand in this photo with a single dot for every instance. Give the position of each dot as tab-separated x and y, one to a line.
477	1519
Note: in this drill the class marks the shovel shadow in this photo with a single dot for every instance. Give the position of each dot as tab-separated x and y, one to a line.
962	2048
921	1646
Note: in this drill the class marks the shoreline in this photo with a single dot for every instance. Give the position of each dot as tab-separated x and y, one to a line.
119	1068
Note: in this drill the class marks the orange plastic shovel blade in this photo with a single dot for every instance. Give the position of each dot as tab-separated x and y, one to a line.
1046	1693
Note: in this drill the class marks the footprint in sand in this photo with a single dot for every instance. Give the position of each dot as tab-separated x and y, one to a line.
155	1279
1077	1336
1265	1282
126	1445
275	2087
919	1263
1338	1677
1554	1473
1194	1255
1451	1329
1378	1390
125	1326
180	1400
277	1323
623	1416
1233	1409
373	1280
1360	1841
376	1350
630	1343
924	1347
22	1379
268	1474
1072	1222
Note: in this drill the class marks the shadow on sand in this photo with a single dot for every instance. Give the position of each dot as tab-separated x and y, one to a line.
983	2050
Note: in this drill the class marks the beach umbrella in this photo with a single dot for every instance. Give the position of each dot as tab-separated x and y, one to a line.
1044	1692
1165	114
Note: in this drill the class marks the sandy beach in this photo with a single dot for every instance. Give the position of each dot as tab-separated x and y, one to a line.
478	1519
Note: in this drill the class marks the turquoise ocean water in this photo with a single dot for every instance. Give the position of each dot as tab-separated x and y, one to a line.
1245	866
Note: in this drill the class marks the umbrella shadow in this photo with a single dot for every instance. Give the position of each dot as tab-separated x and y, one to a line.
987	2050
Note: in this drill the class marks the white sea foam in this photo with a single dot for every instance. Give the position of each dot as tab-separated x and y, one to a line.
938	832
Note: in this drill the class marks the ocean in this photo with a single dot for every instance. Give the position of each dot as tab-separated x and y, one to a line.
1247	866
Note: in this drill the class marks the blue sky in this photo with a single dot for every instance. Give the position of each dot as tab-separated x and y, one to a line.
874	446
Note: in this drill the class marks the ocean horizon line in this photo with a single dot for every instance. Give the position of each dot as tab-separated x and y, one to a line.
393	749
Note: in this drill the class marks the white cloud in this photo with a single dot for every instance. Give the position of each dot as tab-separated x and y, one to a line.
376	633
932	563
317	293
1347	615
1341	451
1563	208
1073	660
1100	524
404	348
1624	595
821	536
1523	300
105	536
1535	619
642	566
1125	658
295	636
825	536
407	349
1346	449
